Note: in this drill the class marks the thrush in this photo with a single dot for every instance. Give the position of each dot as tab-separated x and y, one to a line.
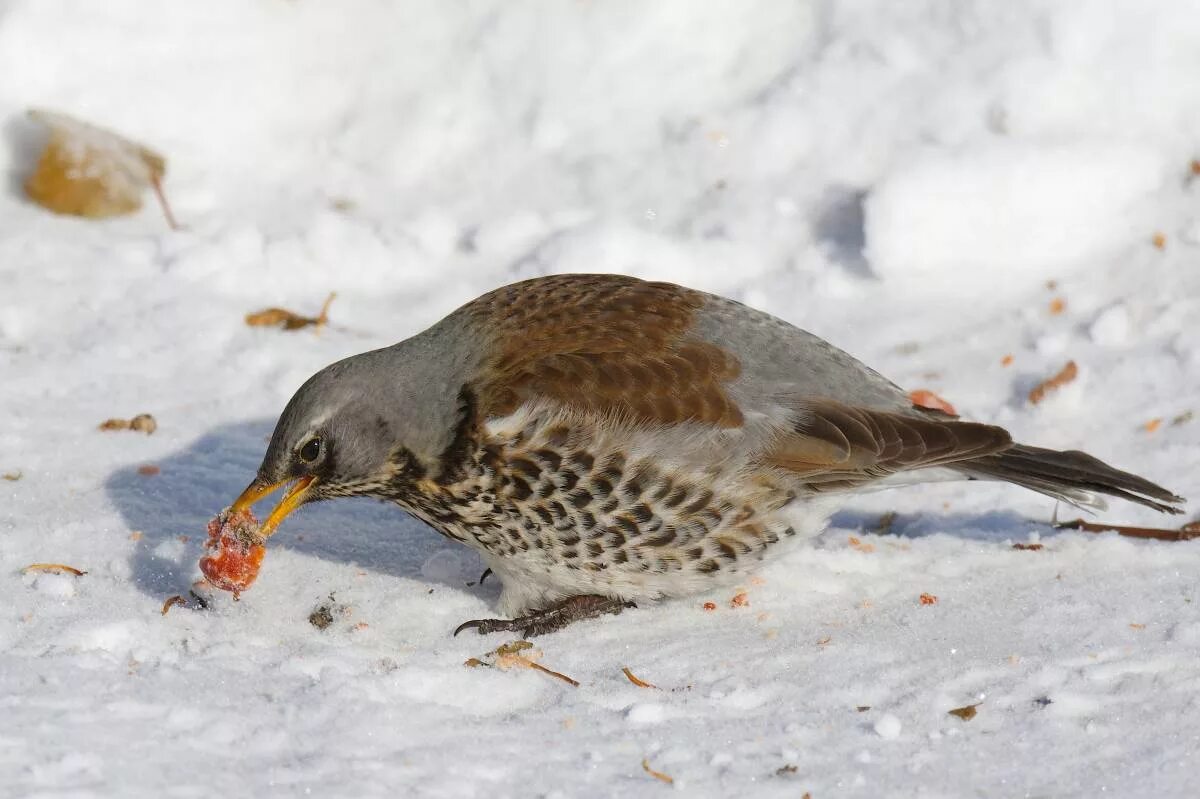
601	440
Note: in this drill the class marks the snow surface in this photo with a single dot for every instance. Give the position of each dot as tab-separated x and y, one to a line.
901	178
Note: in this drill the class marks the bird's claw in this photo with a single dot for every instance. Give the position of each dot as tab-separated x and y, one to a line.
550	619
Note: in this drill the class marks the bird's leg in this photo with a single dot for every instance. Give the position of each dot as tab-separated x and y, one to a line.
555	617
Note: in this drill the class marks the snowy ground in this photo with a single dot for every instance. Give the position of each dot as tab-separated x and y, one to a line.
901	178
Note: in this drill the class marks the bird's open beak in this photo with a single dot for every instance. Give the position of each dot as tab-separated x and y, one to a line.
292	499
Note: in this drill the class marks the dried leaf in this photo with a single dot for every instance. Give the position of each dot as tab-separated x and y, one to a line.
13	476
740	600
1159	240
142	423
149	470
863	708
1057	306
1152	425
658	775
1185	533
288	320
518	654
928	599
638	682
1064	376
710	605
923	398
825	641
1136	626
91	172
1007	360
171	602
1182	418
1028	547
965	713
53	568
784	771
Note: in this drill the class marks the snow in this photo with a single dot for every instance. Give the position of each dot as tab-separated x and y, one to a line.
907	180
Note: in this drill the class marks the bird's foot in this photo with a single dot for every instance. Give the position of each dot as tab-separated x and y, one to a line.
555	617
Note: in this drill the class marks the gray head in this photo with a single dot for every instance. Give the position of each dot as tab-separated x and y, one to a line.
364	426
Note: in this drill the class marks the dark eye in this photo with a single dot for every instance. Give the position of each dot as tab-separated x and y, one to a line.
310	450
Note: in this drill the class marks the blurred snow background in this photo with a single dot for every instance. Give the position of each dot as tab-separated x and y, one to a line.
918	182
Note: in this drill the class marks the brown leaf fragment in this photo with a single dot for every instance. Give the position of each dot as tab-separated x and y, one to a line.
1159	240
640	683
53	568
1057	306
740	600
658	775
966	713
171	602
710	605
928	599
784	771
142	423
1183	418
1185	533
289	320
1028	547
474	663
1152	425
884	526
1136	626
823	642
12	476
862	708
149	470
1064	376
518	654
87	171
1007	360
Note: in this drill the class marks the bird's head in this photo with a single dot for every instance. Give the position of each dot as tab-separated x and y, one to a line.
360	427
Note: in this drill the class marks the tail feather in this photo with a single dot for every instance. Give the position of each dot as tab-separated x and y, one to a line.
1071	476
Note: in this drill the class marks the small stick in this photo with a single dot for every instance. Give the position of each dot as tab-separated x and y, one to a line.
638	682
551	672
658	775
1185	533
156	184
54	568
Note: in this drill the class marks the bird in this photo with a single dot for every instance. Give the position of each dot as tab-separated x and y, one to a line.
601	440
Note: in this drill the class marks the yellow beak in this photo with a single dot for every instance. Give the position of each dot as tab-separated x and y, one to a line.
293	499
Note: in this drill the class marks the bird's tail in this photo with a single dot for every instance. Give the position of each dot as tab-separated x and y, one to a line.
1071	476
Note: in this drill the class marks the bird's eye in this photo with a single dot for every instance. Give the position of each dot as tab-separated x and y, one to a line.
310	450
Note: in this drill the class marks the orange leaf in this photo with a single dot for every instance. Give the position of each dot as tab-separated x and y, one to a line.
923	398
928	599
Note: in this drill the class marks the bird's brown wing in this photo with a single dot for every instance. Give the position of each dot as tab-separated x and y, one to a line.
607	344
836	446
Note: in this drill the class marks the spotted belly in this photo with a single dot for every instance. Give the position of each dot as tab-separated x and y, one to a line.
556	521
